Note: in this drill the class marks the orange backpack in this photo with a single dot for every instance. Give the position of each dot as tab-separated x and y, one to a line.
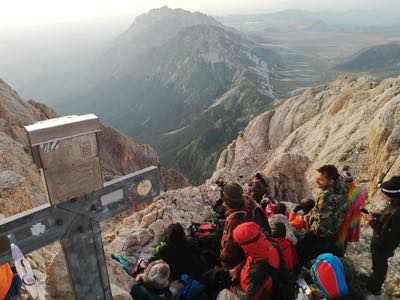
6	277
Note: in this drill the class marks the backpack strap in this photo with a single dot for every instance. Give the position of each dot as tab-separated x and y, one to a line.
239	212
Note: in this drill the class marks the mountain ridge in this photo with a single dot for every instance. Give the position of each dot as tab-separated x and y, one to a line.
207	80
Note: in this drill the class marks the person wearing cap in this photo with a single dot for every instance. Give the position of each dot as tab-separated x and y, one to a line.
236	213
262	263
153	284
386	234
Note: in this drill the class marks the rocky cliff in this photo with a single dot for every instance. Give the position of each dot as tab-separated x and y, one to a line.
353	121
21	185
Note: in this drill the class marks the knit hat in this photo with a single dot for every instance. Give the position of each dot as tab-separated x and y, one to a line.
391	188
233	195
278	230
156	275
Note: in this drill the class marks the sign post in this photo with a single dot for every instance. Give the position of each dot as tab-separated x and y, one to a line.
67	152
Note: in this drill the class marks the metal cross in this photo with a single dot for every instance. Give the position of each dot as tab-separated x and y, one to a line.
76	223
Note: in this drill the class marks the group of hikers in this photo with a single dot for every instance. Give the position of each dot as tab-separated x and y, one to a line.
257	247
265	250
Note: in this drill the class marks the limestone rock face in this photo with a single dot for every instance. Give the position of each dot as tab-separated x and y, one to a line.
122	155
20	181
354	121
140	232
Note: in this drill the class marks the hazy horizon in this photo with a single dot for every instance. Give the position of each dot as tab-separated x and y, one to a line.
44	13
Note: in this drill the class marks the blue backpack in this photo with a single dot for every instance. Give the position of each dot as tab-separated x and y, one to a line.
191	288
328	274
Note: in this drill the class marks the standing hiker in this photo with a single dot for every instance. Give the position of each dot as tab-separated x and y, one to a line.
386	234
350	228
326	217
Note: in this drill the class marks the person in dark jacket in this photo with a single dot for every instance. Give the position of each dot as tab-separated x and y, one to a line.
180	253
153	284
258	187
386	234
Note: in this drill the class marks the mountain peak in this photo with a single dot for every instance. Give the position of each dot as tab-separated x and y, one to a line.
165	14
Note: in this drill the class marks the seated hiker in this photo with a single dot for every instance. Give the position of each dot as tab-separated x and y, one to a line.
289	253
180	253
153	284
258	274
269	206
297	216
349	230
218	207
326	217
280	216
236	213
258	187
386	234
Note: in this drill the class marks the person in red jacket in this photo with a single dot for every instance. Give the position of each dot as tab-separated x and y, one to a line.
287	247
262	259
237	212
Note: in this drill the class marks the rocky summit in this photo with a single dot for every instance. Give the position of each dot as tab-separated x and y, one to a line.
353	121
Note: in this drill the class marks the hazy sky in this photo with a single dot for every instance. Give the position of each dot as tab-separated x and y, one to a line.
38	12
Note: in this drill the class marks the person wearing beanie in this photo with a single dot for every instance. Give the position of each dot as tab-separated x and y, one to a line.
281	217
153	284
263	261
386	234
329	211
236	213
287	247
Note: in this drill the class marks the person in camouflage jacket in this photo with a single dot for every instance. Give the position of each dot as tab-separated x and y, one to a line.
325	218
330	206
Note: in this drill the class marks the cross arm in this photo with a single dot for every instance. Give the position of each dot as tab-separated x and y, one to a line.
119	195
33	229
